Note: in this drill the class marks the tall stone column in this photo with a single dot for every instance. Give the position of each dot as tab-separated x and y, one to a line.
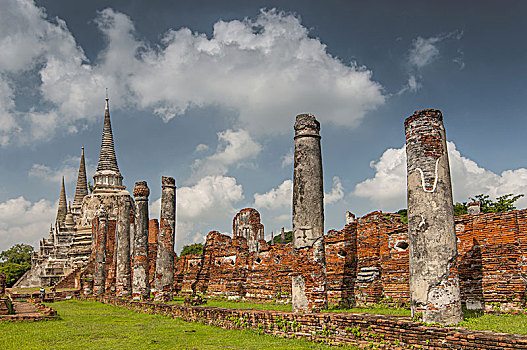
99	273
123	283
165	241
282	236
140	283
309	266
434	282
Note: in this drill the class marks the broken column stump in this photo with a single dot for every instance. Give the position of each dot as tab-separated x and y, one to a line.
140	283
309	265
165	241
434	282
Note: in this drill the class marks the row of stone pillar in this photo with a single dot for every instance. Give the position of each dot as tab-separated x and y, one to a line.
132	264
434	283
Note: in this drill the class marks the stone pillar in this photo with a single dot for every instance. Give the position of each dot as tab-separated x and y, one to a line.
123	283
309	263
165	241
140	283
272	237
282	236
434	282
99	274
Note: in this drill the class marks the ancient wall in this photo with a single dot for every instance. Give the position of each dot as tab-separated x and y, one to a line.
367	262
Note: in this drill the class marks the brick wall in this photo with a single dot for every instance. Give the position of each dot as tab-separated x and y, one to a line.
367	262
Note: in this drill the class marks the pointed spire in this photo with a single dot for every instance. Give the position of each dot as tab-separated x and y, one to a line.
107	158
63	206
82	183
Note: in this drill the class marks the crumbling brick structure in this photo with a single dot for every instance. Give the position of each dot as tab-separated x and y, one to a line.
247	224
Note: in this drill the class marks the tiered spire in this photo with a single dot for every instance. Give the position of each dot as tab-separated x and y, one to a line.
107	158
82	183
107	176
63	205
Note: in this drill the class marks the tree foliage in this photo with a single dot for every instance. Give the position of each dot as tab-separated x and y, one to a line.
196	248
288	238
502	204
403	213
15	261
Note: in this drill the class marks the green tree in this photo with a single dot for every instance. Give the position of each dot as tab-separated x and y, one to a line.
403	213
501	205
288	238
15	261
196	248
460	208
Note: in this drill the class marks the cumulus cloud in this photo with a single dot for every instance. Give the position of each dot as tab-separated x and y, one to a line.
387	188
69	169
282	196
22	221
264	68
234	147
210	200
337	192
276	198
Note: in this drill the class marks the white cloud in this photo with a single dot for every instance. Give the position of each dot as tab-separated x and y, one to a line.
267	69
387	188
282	196
287	159
234	147
211	200
337	192
22	221
275	198
201	148
69	169
425	51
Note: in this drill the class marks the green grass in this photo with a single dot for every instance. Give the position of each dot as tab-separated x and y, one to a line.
228	304
92	325
373	310
516	324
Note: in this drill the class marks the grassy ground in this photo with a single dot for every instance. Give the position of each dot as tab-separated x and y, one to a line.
91	325
516	324
229	304
375	310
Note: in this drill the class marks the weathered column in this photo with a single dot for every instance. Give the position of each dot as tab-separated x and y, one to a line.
123	283
309	266
282	236
434	283
140	283
165	241
99	274
272	237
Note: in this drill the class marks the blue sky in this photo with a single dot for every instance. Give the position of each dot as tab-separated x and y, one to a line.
207	92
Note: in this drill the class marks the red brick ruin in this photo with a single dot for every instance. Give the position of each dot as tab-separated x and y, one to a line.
368	261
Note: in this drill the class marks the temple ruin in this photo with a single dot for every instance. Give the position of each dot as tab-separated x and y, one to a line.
106	242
